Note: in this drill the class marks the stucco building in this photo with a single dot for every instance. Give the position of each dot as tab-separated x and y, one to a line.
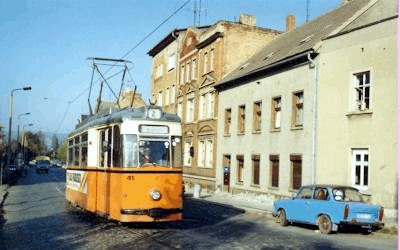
204	56
316	105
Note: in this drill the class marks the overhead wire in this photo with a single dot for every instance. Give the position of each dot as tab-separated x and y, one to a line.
124	56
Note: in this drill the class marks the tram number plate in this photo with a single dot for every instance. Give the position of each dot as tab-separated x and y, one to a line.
130	177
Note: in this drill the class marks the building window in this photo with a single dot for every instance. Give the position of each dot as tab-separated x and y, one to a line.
171	62
360	167
276	113
202	106
228	121
205	63
240	168
362	91
241	119
188	72
256	169
297	116
187	159
274	172
212	57
205	151
182	74
159	99
159	71
210	105
257	116
190	110
179	107
296	171
194	69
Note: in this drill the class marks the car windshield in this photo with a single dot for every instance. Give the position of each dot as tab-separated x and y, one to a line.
347	194
43	162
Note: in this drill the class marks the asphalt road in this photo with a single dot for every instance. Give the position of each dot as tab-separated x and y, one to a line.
35	215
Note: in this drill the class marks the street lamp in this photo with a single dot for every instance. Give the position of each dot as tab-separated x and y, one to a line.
10	123
19	118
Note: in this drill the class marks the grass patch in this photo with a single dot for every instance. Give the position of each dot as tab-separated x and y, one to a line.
388	230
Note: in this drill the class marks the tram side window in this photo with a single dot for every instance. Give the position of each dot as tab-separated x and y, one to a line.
129	151
70	152
103	144
76	150
109	136
84	149
176	151
116	145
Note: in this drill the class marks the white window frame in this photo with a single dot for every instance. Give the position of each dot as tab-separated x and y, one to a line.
364	165
359	89
171	62
212	57
202	106
182	77
187	159
179	107
190	109
160	98
194	69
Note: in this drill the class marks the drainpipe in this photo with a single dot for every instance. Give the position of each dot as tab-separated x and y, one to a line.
176	70
313	64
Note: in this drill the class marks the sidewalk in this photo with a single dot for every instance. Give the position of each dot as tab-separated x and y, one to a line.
3	193
261	203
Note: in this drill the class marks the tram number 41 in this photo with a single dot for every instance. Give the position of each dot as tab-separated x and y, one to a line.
130	178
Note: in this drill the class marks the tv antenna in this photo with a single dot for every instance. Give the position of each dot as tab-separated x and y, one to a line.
197	13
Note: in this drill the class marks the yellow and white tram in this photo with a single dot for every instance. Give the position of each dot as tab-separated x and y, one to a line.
126	165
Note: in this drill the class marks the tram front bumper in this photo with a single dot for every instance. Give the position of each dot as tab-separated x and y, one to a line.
155	213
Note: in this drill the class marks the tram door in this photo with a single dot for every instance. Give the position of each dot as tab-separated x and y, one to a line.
227	172
103	178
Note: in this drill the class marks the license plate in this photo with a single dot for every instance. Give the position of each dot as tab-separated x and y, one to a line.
363	216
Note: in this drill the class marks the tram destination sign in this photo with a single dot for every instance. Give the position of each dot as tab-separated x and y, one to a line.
153	129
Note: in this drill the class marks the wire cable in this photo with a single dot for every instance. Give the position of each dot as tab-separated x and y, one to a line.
125	55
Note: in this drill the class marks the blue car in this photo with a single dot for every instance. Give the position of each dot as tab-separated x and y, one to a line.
328	207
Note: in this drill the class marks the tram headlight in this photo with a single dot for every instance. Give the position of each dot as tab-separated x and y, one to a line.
155	194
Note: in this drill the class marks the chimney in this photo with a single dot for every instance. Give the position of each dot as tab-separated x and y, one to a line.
290	22
247	19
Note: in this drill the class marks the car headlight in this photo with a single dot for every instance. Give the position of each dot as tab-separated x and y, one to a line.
155	194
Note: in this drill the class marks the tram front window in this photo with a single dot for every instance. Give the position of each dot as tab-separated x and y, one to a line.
154	153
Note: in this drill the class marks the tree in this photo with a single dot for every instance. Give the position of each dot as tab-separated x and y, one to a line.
54	142
62	151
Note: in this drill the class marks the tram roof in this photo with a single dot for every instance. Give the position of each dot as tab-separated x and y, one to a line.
117	115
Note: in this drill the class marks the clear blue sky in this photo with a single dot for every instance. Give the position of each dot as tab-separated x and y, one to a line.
45	43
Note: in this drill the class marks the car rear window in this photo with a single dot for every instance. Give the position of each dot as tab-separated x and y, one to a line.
44	162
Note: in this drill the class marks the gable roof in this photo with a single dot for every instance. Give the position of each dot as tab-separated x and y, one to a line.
297	43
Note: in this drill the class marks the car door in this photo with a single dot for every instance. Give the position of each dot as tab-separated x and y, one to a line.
301	205
319	204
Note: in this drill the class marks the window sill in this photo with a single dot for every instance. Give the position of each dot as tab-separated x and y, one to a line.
241	133
256	132
239	183
227	135
273	188
255	185
359	112
274	130
297	128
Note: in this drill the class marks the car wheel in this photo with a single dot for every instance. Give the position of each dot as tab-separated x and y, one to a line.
281	218
325	224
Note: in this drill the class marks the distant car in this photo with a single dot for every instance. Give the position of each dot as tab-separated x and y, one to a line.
42	166
329	207
12	172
